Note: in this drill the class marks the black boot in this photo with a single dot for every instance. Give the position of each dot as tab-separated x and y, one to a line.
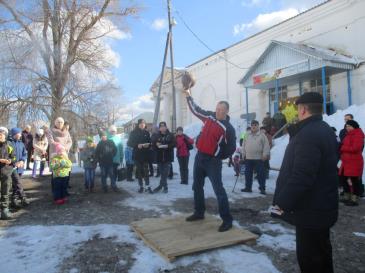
157	189
194	217
224	227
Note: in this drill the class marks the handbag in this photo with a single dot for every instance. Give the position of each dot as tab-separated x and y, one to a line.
122	173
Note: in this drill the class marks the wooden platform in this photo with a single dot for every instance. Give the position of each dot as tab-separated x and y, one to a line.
173	236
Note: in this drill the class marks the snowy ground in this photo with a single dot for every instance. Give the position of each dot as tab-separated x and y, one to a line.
38	248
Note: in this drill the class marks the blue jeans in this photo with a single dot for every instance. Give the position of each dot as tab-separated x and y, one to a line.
259	166
89	177
105	172
41	168
211	167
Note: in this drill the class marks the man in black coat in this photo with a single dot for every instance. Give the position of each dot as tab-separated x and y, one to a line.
27	139
306	193
140	141
164	144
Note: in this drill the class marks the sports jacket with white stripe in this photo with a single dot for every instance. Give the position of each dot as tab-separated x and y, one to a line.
217	137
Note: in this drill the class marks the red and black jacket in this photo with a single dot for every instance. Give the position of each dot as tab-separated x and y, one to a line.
217	137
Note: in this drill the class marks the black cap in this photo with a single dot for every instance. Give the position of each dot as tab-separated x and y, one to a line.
310	97
162	123
353	124
141	120
254	122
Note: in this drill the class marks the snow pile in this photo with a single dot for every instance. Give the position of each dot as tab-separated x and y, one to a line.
285	239
336	120
36	249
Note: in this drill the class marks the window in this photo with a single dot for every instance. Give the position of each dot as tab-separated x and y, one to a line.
316	86
283	93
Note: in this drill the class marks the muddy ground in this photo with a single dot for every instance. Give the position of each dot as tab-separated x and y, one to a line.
100	208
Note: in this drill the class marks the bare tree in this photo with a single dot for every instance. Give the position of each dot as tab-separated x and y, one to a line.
57	48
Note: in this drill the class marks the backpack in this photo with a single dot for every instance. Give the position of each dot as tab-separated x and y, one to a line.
188	145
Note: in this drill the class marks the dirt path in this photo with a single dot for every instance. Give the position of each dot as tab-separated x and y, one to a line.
104	254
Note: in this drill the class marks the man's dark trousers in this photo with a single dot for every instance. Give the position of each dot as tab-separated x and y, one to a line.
258	165
314	250
211	167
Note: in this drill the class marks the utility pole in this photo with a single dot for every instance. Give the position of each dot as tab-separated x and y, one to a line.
158	100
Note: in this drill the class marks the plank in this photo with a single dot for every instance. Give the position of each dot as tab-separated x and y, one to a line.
172	237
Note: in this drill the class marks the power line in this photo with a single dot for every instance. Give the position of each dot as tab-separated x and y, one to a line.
203	43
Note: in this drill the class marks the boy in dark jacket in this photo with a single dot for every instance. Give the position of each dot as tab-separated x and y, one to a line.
105	151
164	144
140	141
7	158
18	196
88	157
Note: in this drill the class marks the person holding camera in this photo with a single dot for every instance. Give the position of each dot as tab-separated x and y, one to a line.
87	156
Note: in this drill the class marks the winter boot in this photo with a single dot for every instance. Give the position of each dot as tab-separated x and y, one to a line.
15	203
353	201
165	190
5	214
345	197
149	190
24	201
140	189
158	188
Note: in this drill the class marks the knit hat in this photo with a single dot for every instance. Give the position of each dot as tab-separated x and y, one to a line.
15	131
59	148
254	122
40	132
310	97
4	130
89	139
141	120
103	133
162	123
353	124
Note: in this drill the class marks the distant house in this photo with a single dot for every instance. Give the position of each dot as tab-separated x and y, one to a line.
130	125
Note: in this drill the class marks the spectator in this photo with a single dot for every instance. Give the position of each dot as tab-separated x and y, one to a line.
40	144
104	154
7	159
267	122
18	196
352	163
183	145
27	139
60	166
129	163
140	141
306	193
118	158
255	151
164	144
88	157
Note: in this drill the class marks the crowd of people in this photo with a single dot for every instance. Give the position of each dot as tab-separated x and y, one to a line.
315	165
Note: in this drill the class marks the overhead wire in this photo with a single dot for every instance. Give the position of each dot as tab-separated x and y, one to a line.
205	44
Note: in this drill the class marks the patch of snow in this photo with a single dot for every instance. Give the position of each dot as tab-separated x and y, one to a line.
284	240
359	234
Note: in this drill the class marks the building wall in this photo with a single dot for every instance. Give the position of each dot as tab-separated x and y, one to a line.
335	24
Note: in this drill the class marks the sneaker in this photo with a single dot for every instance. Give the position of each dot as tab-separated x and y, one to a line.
15	203
194	217
149	190
224	227
246	190
140	190
165	190
263	192
5	214
157	189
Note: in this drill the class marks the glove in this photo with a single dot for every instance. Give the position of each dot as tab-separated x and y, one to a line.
187	80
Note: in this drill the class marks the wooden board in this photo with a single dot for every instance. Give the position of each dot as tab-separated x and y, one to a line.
172	237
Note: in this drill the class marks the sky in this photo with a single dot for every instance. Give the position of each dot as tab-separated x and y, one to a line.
217	23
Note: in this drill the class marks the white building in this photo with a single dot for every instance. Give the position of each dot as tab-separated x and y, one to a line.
321	45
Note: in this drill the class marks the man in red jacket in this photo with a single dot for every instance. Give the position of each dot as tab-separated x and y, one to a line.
217	141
